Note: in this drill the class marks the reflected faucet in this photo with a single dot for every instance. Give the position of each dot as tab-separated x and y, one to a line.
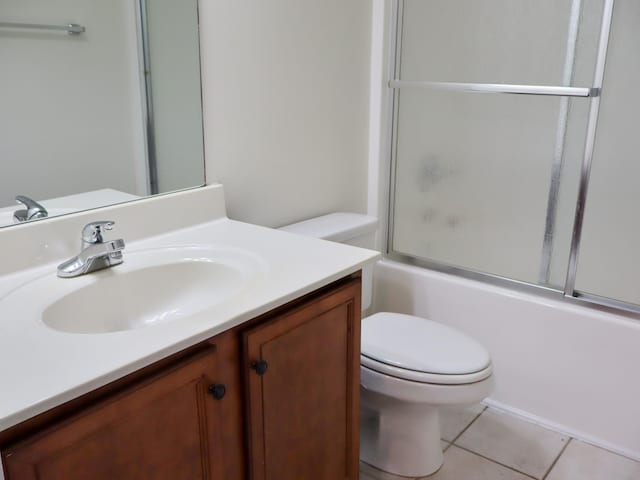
96	253
32	210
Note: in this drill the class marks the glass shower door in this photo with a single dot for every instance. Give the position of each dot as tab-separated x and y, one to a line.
487	182
609	256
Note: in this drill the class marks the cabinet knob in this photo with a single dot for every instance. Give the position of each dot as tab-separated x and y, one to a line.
217	390
260	367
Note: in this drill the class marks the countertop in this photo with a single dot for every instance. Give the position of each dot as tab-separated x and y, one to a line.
41	368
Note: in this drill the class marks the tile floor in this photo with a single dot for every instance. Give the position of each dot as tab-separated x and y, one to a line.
481	443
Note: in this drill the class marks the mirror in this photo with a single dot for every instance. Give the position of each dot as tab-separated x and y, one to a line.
101	103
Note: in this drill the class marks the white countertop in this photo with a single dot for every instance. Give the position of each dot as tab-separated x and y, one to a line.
41	368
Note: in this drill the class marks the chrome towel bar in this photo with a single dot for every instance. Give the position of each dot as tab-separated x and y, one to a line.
499	88
71	28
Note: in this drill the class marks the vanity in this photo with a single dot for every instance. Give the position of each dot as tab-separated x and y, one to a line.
217	350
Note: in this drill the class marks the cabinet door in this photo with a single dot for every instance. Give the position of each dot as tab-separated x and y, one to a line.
166	427
303	384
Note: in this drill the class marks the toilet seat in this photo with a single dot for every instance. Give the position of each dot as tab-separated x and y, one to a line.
421	350
396	389
422	377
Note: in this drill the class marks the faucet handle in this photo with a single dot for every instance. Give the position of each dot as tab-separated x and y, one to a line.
32	209
92	232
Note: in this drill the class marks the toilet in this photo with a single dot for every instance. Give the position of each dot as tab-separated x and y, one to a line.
409	368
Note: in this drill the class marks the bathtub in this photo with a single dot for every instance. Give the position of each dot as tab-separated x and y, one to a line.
568	367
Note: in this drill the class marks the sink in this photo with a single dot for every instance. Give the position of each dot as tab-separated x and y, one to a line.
151	287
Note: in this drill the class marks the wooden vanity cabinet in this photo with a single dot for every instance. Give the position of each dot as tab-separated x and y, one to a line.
273	399
303	390
168	426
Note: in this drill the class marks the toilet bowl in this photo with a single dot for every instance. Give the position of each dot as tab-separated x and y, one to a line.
409	367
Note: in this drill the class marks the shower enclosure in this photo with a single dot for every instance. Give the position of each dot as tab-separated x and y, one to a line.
516	144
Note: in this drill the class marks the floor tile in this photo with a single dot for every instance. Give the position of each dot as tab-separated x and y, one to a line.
511	441
367	472
581	461
462	465
454	420
365	476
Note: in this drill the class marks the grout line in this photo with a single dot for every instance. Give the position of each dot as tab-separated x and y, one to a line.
455	439
502	464
528	475
553	464
508	467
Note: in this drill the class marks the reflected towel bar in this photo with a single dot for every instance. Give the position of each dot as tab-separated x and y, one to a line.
71	28
499	88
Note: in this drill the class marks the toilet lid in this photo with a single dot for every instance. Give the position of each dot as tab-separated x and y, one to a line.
421	345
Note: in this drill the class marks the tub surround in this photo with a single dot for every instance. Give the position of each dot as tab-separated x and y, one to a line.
45	368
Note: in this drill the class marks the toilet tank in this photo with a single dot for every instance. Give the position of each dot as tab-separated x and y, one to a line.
350	228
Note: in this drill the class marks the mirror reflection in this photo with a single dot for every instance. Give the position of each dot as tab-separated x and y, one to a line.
101	103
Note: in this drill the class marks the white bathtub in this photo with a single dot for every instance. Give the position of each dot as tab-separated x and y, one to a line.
571	368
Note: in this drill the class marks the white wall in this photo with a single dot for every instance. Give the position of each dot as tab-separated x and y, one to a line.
286	96
566	366
70	116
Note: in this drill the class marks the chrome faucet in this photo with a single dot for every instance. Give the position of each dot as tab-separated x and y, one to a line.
96	253
32	210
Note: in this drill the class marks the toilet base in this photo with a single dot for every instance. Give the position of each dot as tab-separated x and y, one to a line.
399	437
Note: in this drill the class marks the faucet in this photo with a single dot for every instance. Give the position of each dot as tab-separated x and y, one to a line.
32	211
96	253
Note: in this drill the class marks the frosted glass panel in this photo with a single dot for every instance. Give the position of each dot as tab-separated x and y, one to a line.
499	41
569	179
472	178
609	261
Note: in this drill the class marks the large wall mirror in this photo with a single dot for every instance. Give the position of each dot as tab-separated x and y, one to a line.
101	103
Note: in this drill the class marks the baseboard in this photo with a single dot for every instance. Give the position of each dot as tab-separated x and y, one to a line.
558	427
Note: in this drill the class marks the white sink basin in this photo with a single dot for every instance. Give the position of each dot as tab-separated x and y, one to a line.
151	287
